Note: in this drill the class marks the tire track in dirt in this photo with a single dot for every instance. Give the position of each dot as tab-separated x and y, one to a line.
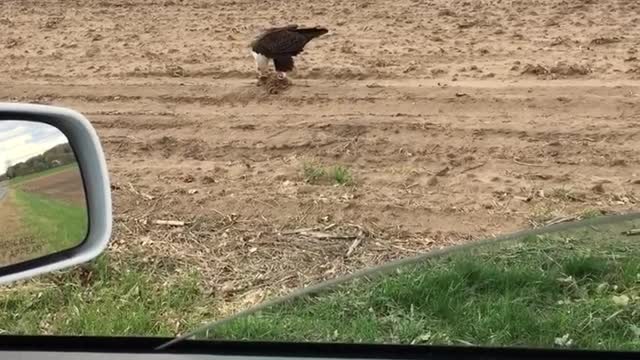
376	138
372	144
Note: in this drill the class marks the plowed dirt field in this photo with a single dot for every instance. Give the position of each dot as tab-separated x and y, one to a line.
454	120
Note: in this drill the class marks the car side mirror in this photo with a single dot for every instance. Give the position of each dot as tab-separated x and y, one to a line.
55	196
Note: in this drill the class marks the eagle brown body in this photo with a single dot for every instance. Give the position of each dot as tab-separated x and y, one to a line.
282	44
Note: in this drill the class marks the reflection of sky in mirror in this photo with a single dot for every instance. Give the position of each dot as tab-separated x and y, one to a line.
21	140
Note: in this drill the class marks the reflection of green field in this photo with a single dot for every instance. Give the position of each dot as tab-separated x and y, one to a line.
58	224
578	288
22	179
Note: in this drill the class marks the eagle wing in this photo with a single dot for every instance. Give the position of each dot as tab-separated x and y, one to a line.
278	28
280	42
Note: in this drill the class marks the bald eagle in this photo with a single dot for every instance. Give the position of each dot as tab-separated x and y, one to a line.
281	44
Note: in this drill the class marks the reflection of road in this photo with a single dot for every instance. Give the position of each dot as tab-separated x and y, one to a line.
3	190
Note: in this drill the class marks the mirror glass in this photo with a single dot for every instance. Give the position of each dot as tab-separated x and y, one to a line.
42	200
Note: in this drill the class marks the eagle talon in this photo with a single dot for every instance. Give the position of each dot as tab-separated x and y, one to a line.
262	79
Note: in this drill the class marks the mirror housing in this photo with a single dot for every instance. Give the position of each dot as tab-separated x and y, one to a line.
92	165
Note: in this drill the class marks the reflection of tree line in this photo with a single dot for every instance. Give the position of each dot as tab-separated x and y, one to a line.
56	156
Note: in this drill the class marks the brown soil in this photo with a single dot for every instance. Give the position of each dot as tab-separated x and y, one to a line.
458	120
66	185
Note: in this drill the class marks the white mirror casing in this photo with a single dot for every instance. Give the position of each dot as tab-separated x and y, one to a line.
92	177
